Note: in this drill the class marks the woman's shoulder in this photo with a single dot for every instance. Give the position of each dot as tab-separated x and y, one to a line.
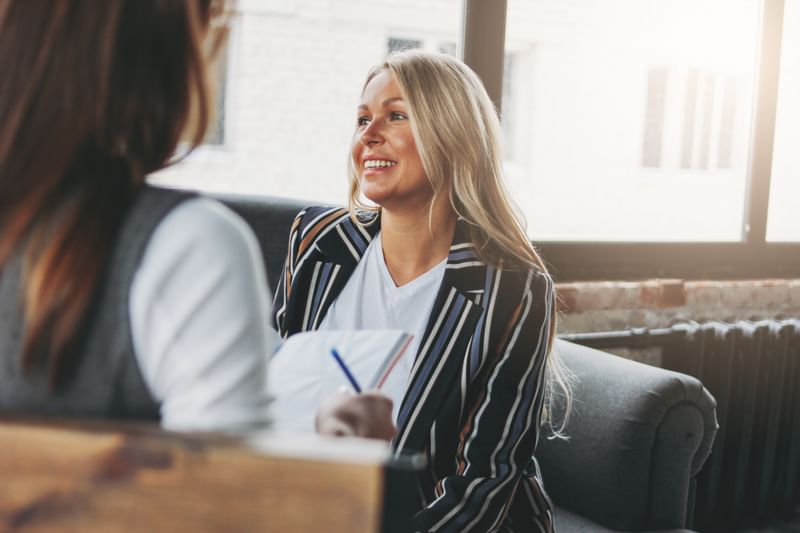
525	276
318	219
187	217
315	217
201	230
205	219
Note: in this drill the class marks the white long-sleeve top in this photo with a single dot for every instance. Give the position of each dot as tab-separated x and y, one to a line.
199	312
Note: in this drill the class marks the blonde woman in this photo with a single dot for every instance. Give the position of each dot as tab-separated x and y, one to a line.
440	254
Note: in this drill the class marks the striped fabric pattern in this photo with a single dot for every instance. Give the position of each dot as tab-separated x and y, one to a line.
475	394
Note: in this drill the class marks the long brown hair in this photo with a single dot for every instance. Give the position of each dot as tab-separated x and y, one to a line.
93	97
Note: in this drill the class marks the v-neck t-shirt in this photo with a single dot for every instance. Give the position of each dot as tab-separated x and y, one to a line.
371	300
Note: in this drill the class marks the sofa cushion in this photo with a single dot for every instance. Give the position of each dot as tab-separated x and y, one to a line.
568	522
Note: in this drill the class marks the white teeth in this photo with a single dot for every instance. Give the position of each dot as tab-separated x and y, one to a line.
374	163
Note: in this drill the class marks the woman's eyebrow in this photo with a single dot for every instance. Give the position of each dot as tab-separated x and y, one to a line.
385	103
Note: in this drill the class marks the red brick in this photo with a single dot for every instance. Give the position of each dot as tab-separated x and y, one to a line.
567	298
704	294
673	293
663	293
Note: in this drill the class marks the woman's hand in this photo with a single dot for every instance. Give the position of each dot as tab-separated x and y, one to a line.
345	414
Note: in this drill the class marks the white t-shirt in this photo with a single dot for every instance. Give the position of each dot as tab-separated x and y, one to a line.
371	300
199	311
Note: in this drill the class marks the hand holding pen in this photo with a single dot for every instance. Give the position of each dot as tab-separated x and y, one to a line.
365	414
368	415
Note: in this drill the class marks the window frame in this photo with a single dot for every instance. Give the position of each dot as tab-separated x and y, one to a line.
482	47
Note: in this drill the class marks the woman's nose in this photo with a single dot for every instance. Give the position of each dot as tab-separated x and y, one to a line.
371	135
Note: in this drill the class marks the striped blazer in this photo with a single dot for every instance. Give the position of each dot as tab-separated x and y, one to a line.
474	398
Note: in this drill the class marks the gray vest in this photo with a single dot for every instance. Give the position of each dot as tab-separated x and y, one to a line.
105	380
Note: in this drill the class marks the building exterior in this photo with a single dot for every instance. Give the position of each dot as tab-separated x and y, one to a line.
624	119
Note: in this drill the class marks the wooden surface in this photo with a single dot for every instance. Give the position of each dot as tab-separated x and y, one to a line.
102	478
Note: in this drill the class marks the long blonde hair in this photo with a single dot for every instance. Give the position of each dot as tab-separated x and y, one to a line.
458	137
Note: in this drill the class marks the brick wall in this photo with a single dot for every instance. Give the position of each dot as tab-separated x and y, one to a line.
612	305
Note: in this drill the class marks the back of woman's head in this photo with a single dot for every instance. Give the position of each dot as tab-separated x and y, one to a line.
93	96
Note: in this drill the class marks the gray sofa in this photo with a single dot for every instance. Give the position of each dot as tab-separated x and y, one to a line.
638	434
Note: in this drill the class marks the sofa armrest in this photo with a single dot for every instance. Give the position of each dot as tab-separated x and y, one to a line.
637	437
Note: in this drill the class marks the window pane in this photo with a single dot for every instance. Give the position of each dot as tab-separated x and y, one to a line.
629	120
292	80
783	223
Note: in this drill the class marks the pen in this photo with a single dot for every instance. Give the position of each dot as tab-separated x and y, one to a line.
346	370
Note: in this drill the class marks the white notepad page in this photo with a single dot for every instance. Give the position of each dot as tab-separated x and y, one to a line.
302	372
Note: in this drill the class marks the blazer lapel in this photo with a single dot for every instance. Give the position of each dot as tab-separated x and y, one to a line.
448	334
345	242
339	250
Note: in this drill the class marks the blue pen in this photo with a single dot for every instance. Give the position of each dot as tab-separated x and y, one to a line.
346	370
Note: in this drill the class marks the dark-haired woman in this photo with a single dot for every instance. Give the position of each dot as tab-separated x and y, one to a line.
118	299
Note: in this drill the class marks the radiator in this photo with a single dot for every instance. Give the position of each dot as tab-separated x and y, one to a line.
753	370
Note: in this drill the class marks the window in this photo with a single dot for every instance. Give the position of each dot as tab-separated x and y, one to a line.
639	133
294	74
624	119
398	45
732	128
654	117
784	222
509	108
219	75
448	48
708	117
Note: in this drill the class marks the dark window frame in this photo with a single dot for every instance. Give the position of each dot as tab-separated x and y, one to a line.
483	48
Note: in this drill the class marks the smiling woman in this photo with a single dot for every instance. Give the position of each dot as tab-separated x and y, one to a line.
440	254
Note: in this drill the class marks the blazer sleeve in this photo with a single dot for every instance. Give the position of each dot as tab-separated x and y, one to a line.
501	421
284	289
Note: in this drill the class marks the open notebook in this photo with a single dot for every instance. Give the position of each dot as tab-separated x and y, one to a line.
302	372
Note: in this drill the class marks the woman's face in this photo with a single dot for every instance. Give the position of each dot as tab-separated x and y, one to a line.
384	152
